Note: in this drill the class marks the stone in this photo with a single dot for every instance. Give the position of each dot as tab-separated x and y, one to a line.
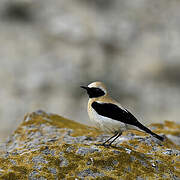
83	151
48	146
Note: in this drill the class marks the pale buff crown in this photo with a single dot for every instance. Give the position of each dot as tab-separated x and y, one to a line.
98	85
106	98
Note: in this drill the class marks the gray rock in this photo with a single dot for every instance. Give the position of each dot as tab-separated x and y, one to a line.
108	168
33	173
37	166
171	152
89	172
52	170
48	151
70	149
116	152
64	162
115	162
39	159
83	150
140	178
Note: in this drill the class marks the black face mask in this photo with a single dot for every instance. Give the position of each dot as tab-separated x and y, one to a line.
94	92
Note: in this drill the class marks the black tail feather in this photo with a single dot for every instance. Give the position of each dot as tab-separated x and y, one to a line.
142	127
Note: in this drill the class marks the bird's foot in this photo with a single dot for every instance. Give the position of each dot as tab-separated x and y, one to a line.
106	145
103	144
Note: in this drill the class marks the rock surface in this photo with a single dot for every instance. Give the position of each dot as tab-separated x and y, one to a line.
47	50
48	146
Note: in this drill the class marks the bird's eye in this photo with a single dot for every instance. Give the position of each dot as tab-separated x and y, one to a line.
98	90
95	92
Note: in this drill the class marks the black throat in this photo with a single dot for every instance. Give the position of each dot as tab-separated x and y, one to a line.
95	92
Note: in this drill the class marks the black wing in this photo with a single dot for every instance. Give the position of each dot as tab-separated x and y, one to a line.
123	115
113	111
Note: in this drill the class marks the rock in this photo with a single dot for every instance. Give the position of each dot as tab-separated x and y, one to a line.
48	146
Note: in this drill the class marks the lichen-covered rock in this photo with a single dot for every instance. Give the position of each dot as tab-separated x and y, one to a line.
47	146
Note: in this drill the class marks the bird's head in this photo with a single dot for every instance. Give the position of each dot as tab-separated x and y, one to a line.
95	89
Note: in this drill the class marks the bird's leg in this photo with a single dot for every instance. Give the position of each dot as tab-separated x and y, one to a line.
115	139
103	144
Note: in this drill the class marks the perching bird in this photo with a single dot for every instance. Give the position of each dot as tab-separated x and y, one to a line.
109	115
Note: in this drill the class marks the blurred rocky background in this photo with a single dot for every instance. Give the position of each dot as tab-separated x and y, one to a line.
49	48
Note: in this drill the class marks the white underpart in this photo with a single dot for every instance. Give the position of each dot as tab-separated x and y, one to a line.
106	124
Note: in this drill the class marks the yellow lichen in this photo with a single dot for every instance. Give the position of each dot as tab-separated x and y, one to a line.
133	159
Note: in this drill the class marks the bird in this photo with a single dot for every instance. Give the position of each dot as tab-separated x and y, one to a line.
109	115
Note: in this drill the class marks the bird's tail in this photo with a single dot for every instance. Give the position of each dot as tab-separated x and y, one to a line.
142	127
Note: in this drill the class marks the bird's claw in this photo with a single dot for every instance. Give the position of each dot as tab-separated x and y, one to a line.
103	144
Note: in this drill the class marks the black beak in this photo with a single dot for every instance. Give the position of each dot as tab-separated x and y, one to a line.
84	87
